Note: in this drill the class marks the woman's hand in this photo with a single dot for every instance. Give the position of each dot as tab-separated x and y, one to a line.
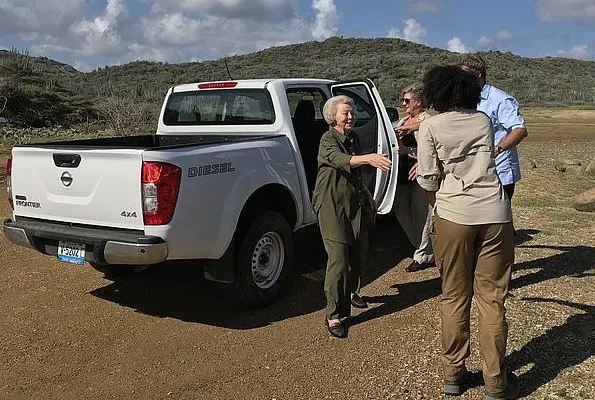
402	131
376	160
413	172
379	161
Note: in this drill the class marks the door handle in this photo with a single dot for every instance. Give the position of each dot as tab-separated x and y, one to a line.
66	160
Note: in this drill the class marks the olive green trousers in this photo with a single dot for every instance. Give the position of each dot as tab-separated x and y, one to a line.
474	261
343	272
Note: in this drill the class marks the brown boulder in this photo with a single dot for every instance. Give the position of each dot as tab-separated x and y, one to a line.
575	169
562	165
585	201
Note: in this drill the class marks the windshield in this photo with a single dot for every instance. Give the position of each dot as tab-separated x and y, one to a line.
220	107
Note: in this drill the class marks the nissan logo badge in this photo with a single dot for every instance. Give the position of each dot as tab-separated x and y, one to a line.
66	179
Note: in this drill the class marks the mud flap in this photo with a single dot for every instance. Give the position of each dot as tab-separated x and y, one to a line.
221	270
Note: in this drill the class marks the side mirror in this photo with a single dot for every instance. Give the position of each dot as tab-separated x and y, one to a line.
393	114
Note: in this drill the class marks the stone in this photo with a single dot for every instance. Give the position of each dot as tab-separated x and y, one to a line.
563	165
575	169
585	201
560	166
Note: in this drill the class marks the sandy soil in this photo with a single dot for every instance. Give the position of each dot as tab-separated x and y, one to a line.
68	333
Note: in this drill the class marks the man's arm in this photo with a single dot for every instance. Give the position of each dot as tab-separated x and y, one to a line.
509	116
513	138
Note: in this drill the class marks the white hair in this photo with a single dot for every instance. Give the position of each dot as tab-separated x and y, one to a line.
329	111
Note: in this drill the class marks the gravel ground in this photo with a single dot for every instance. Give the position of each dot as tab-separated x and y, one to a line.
68	333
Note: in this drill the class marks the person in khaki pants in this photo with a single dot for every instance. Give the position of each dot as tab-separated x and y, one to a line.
473	234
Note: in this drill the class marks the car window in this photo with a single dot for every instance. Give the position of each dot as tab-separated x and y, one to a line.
316	95
364	110
219	107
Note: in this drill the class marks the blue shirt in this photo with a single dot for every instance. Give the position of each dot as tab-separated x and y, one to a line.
503	110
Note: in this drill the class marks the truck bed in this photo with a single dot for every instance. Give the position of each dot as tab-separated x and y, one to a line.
145	142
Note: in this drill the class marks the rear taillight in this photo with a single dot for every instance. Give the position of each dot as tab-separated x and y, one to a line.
160	186
8	179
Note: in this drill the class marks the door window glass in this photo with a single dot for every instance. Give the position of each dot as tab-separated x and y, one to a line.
366	124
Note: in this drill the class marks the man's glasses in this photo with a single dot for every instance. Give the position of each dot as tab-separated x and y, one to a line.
406	101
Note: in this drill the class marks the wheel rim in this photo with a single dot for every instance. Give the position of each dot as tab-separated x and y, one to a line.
267	260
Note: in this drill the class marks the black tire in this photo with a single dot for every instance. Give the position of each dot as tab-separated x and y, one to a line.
263	260
116	271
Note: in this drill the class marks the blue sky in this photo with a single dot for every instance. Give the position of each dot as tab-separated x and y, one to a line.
91	33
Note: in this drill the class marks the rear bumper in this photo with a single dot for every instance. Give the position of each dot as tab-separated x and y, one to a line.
103	246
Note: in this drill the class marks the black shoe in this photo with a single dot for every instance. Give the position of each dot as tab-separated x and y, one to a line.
357	301
468	380
415	266
510	393
337	329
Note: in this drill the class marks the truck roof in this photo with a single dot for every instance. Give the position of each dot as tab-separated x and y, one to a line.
246	83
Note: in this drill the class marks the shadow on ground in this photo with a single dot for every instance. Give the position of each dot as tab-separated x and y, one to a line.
525	235
560	347
572	261
179	290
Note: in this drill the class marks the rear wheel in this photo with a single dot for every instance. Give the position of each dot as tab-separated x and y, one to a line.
263	261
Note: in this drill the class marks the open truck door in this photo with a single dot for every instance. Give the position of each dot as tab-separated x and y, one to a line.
376	134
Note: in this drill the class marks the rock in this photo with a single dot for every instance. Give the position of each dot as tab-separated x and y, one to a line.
575	169
532	164
590	169
562	166
585	201
572	162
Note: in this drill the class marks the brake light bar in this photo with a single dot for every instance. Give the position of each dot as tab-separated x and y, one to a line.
9	181
217	85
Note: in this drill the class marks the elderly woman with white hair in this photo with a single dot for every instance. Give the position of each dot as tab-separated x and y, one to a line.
344	208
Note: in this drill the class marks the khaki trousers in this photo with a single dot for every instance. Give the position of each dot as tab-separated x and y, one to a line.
414	214
474	260
343	272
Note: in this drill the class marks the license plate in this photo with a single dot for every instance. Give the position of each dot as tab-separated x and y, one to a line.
71	252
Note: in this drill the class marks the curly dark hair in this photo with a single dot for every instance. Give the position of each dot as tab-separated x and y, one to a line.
448	87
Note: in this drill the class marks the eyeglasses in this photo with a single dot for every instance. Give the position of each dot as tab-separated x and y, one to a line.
406	101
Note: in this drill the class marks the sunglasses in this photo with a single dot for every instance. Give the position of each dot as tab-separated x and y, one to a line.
406	101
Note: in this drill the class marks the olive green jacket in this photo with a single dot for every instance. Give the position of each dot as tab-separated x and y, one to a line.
339	192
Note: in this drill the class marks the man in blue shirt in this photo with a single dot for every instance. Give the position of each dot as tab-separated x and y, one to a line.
507	121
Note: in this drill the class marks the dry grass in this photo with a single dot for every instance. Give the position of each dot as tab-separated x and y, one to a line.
558	124
392	352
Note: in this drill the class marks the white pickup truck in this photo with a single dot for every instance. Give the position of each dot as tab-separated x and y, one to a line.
226	180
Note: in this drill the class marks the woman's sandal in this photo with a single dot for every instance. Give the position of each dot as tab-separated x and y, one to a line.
336	329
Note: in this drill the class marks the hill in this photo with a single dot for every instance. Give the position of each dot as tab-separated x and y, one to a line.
43	92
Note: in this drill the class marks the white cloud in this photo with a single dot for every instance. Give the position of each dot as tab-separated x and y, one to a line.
177	37
412	31
581	52
424	6
82	66
557	10
101	35
505	35
326	19
488	42
484	41
260	10
455	44
39	17
169	31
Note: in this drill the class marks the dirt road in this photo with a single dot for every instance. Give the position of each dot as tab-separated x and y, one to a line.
68	333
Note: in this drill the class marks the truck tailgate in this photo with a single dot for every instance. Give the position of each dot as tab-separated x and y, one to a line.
82	186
